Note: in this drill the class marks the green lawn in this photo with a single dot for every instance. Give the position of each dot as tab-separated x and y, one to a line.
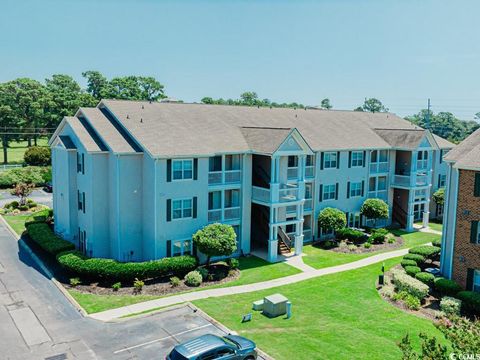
253	270
16	150
17	222
433	226
338	316
319	258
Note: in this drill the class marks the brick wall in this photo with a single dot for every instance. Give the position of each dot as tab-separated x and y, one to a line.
466	254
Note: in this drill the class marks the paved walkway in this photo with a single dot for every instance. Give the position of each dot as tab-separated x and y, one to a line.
297	262
427	230
203	294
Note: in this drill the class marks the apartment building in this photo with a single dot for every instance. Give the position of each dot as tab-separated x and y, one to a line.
460	257
134	180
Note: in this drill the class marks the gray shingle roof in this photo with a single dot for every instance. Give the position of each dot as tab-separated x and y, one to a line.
400	138
264	140
83	135
466	155
67	142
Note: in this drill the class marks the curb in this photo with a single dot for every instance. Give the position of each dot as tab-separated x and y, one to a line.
42	266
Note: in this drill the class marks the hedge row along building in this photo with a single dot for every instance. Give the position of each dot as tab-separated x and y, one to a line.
134	180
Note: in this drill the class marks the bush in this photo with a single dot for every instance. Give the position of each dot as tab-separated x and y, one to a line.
12	205
41	234
233	263
439	196
412	270
111	270
350	234
38	156
374	209
30	175
367	245
470	301
450	305
419	259
216	240
404	282
425	278
117	286
412	302
331	218
193	278
407	262
23	207
437	242
204	272
447	287
427	251
378	236
138	285
75	281
174	281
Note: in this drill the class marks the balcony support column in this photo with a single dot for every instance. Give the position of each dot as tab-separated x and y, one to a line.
410	214
273	238
299	231
413	168
426	209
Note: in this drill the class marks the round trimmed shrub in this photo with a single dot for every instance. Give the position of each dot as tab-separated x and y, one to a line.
425	277
193	278
38	156
233	263
450	305
437	242
350	234
412	270
378	236
406	263
419	259
331	218
374	209
427	251
470	301
447	287
216	240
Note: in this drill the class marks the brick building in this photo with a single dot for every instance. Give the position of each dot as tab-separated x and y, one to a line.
460	259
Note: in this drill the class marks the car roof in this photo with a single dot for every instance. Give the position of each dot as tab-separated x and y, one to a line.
200	345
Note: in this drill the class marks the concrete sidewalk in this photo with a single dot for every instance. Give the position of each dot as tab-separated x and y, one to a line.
203	294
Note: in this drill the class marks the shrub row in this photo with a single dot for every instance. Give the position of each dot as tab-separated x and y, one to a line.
470	301
437	242
112	270
419	259
447	287
407	262
412	270
350	234
426	251
404	282
378	236
30	175
425	278
41	234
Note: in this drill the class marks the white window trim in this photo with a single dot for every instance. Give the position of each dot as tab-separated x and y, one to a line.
352	195
329	192
183	170
352	219
182	209
359	160
330	153
182	247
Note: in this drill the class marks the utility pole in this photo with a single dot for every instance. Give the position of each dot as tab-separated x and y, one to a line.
427	119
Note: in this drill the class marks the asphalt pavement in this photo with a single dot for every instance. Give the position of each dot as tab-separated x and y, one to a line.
38	195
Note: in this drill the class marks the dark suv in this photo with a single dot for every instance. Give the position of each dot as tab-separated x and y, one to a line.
212	347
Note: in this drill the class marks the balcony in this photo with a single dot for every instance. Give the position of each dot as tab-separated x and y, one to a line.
292	173
379	167
232	213
308	204
224	177
286	193
261	194
380	194
420	179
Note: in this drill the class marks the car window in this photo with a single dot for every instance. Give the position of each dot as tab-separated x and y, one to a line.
208	356
225	351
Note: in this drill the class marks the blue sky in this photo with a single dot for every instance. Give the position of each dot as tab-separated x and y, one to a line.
401	52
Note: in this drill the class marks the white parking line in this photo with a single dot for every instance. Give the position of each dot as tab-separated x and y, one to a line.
161	339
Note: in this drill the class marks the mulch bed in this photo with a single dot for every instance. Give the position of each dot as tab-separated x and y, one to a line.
399	242
155	287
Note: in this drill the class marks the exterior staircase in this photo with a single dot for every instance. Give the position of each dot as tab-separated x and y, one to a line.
284	242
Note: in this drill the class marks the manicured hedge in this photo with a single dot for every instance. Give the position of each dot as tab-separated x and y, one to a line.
425	278
419	259
404	282
470	301
112	270
350	234
437	242
41	234
447	287
378	236
412	270
407	262
426	250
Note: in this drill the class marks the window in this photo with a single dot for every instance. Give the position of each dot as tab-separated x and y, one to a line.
82	241
310	160
442	154
292	161
372	184
357	159
475	236
81	163
383	156
330	160
214	200
355	189
476	187
354	220
182	169
215	163
181	247
382	183
417	212
441	180
329	192
422	159
420	195
81	200
181	209
439	209
232	198
379	156
476	281
308	190
232	162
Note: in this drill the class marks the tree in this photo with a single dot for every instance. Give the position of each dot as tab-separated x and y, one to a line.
22	190
38	156
439	196
373	105
249	98
358	108
216	240
326	104
96	83
208	100
374	209
332	219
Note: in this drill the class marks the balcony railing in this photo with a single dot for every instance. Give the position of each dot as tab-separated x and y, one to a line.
307	205
380	194
292	173
291	209
422	180
401	180
232	213
307	234
261	194
288	193
411	180
309	171
379	167
224	177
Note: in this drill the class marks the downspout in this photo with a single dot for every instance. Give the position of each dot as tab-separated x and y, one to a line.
155	226
118	203
454	219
